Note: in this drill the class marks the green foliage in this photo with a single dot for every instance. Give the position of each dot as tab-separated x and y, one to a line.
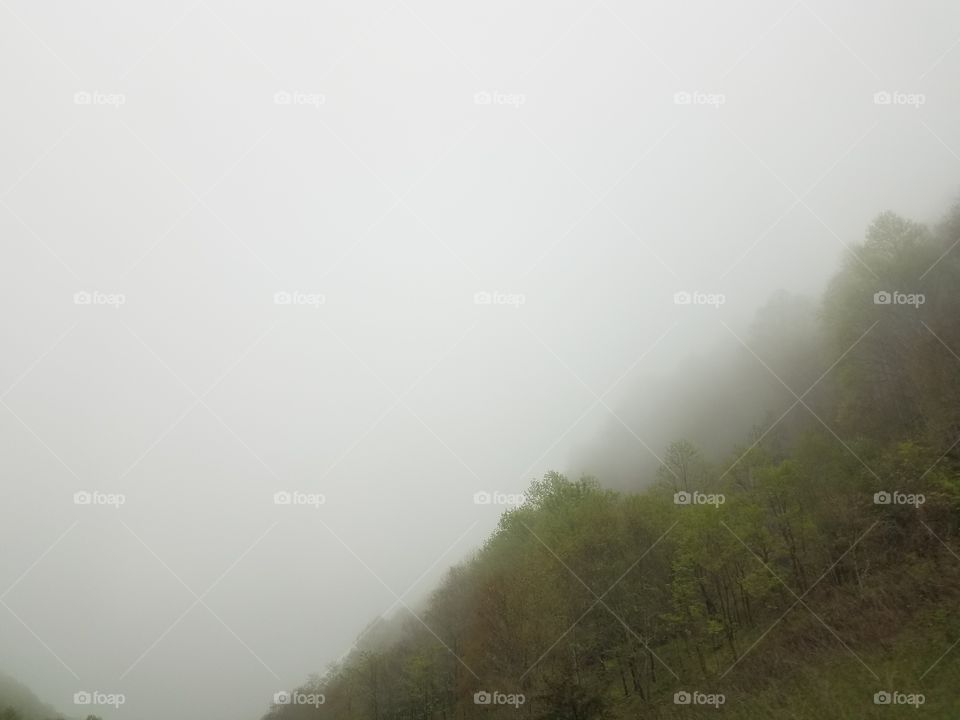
784	585
17	702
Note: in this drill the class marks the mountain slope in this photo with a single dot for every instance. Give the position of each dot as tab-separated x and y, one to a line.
814	572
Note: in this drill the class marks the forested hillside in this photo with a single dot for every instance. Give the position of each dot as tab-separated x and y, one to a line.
814	572
18	702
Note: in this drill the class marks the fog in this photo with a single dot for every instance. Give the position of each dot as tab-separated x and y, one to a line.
388	256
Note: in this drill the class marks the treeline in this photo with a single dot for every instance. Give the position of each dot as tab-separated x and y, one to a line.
18	702
823	535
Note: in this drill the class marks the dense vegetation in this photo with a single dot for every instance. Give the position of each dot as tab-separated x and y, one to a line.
800	595
815	565
18	702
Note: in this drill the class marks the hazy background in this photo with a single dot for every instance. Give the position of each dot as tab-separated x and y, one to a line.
384	186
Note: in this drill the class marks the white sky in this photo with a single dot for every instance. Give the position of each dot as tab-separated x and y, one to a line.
582	187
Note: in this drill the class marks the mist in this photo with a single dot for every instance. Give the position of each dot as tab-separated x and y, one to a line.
295	295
